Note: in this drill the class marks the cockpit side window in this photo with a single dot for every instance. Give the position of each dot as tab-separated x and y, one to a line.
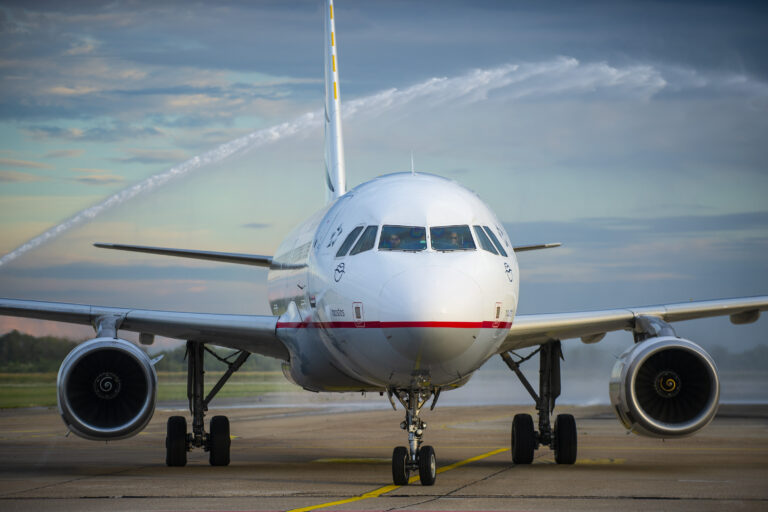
485	242
403	238
351	237
496	241
366	242
451	238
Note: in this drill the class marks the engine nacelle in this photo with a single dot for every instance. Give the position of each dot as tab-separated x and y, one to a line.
665	387
107	389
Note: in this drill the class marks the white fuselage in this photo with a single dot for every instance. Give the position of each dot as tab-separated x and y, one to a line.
420	296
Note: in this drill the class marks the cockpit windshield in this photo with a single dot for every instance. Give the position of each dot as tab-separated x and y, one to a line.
403	238
451	238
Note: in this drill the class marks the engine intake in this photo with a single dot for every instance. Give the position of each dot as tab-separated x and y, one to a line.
106	389
665	387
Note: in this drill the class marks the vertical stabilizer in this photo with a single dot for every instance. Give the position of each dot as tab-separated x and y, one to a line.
335	176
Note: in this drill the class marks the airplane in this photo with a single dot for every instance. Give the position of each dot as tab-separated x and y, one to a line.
404	285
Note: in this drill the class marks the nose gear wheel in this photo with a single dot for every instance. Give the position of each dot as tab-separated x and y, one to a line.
415	457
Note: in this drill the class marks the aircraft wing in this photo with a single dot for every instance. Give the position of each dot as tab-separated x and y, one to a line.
253	333
256	260
591	326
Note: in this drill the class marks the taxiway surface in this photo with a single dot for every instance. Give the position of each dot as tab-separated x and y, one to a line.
337	457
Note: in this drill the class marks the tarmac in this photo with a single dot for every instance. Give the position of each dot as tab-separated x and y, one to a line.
336	456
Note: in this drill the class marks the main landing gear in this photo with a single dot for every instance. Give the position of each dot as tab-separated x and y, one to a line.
216	442
415	457
562	438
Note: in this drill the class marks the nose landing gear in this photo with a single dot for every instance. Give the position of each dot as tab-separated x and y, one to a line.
415	457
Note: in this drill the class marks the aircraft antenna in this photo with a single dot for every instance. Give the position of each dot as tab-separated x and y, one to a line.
413	167
335	175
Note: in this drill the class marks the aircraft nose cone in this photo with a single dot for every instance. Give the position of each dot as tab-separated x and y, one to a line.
431	314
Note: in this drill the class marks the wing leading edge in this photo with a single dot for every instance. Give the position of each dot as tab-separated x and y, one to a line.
252	333
591	326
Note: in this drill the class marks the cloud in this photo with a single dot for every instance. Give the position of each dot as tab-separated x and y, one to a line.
152	156
37	327
114	132
560	77
18	177
181	270
91	171
78	90
100	179
64	153
82	48
7	162
250	141
617	230
48	131
192	100
661	252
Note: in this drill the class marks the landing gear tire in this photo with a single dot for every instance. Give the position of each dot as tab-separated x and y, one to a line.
427	465
523	439
176	441
219	441
400	471
565	439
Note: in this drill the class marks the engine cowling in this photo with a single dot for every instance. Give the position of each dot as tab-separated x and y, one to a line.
106	389
665	387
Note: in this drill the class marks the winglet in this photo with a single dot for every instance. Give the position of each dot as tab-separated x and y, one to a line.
335	176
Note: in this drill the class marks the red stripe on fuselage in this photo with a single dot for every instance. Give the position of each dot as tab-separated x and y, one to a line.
393	325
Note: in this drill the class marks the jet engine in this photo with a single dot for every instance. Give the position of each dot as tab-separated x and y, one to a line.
665	387
106	389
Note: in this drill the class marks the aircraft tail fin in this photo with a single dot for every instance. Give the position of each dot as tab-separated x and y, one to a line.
335	176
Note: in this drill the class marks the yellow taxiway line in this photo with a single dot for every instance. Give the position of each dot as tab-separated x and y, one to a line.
387	488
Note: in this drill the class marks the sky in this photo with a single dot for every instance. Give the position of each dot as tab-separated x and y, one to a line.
632	132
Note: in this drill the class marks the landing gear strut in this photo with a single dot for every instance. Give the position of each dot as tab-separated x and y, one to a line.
415	457
562	438
178	442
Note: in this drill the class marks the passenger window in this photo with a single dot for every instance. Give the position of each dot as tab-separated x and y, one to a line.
351	237
485	242
496	241
451	238
366	241
403	238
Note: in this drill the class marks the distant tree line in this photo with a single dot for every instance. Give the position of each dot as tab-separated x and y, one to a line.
22	353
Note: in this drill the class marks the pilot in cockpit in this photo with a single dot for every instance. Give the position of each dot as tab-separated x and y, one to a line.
451	238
